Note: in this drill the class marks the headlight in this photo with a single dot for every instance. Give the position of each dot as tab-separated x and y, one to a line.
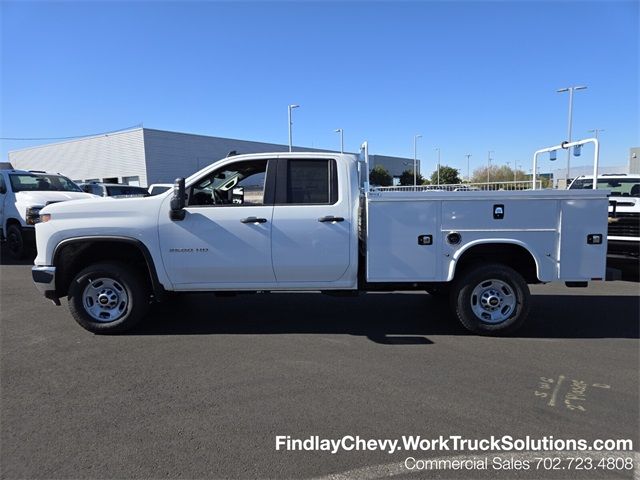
33	215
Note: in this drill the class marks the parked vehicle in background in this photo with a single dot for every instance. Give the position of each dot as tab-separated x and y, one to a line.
114	190
23	194
158	188
623	236
310	222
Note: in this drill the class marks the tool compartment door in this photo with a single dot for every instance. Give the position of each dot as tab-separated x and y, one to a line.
580	260
398	249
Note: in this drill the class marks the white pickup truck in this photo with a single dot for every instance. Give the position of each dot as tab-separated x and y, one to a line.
623	239
309	222
22	195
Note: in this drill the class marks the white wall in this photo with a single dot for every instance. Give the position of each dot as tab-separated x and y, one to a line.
114	155
172	154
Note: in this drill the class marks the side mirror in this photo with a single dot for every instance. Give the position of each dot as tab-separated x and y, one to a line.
177	211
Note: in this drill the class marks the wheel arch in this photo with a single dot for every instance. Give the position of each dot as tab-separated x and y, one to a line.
73	254
513	253
11	221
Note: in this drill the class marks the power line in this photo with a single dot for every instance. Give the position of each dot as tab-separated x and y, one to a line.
139	125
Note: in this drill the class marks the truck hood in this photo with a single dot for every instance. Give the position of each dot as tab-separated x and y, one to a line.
625	204
87	207
42	198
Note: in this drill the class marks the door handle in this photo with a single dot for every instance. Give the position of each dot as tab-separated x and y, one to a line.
253	220
330	218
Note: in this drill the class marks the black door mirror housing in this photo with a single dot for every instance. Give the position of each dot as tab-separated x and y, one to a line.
177	211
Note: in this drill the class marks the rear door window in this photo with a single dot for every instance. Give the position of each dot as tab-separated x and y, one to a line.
310	182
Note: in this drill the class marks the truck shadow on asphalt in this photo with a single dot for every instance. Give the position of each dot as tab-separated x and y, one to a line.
389	319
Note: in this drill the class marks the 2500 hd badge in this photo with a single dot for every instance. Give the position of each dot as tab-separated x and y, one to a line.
188	250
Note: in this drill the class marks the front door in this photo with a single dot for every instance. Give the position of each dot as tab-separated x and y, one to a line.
225	237
311	222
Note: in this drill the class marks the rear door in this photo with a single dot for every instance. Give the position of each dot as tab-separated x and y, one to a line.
311	221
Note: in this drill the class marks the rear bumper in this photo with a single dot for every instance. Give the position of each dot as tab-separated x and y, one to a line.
44	279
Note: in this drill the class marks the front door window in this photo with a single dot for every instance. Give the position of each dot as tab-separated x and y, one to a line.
237	184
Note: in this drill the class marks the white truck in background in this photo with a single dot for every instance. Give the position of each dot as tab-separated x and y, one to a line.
309	222
23	194
623	238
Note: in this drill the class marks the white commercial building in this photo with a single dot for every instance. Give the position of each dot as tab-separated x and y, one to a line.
143	156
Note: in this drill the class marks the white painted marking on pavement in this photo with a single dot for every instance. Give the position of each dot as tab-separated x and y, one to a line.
552	402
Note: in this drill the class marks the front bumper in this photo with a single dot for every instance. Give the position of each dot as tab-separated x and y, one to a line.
44	279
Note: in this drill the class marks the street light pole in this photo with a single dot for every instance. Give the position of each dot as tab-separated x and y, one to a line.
341	132
468	171
570	123
489	164
596	132
438	168
415	159
291	107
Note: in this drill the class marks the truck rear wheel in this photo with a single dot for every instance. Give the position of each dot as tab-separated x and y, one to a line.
108	298
491	299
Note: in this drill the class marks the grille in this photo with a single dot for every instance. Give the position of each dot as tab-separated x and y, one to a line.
625	225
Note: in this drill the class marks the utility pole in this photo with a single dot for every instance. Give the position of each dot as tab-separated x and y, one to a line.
438	168
489	164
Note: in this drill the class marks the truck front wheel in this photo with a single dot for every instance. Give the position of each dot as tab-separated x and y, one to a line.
15	242
491	299
108	298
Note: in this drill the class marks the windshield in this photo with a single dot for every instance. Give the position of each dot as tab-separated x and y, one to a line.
620	187
158	189
126	190
35	182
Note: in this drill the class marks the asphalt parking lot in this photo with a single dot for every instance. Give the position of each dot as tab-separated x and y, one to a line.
203	388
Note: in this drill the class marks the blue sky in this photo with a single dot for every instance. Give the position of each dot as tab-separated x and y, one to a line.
468	76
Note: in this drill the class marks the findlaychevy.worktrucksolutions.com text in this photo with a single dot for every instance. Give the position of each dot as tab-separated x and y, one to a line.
450	443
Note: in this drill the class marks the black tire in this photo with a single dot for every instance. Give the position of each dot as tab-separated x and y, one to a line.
129	281
516	292
15	242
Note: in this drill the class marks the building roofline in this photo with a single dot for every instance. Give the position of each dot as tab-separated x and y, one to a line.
79	139
129	130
